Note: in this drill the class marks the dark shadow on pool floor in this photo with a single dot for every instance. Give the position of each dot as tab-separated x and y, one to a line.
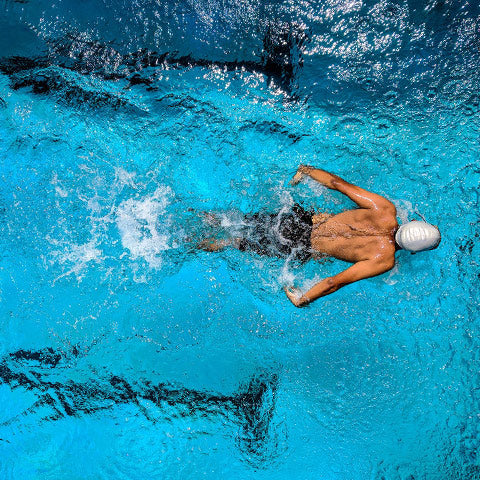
252	408
280	61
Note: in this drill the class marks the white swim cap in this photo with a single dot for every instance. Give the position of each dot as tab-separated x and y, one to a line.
416	236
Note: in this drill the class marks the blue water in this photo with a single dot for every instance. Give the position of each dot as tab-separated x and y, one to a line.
125	353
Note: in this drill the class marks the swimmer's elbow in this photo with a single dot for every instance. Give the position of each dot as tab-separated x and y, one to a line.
389	265
384	266
336	183
333	284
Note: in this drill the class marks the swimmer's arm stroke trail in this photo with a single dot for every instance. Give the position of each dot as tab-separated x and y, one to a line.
363	198
358	271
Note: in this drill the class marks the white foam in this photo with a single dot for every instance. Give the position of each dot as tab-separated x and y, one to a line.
59	189
124	178
231	220
404	209
287	277
78	256
142	232
317	188
392	276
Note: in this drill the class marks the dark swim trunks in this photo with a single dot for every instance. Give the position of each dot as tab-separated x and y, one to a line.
279	234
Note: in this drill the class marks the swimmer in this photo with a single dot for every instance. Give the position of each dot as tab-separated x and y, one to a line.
367	236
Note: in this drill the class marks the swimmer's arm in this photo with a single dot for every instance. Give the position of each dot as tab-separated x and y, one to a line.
359	271
363	198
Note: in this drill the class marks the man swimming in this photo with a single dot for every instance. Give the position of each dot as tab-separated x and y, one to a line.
367	236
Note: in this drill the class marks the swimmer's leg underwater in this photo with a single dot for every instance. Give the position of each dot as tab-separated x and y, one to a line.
216	245
285	234
217	235
250	232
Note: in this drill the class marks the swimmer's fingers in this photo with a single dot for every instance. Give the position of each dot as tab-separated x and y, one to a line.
294	295
300	175
297	178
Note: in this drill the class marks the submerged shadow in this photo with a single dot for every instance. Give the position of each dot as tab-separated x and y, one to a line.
280	61
252	408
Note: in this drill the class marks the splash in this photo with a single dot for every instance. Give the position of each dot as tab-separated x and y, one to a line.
78	257
404	209
144	227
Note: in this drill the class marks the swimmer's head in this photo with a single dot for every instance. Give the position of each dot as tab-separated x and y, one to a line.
416	236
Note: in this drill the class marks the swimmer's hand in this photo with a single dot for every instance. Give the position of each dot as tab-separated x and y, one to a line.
301	172
295	296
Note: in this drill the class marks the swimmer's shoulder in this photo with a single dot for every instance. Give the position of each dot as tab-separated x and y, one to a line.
386	215
385	255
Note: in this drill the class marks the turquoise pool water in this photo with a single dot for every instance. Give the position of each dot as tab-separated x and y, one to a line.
125	353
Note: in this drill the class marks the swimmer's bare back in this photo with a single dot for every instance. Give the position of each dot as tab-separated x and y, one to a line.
364	236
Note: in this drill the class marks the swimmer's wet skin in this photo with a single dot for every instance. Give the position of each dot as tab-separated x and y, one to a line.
367	236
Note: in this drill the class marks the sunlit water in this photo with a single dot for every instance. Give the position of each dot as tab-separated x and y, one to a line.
128	354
